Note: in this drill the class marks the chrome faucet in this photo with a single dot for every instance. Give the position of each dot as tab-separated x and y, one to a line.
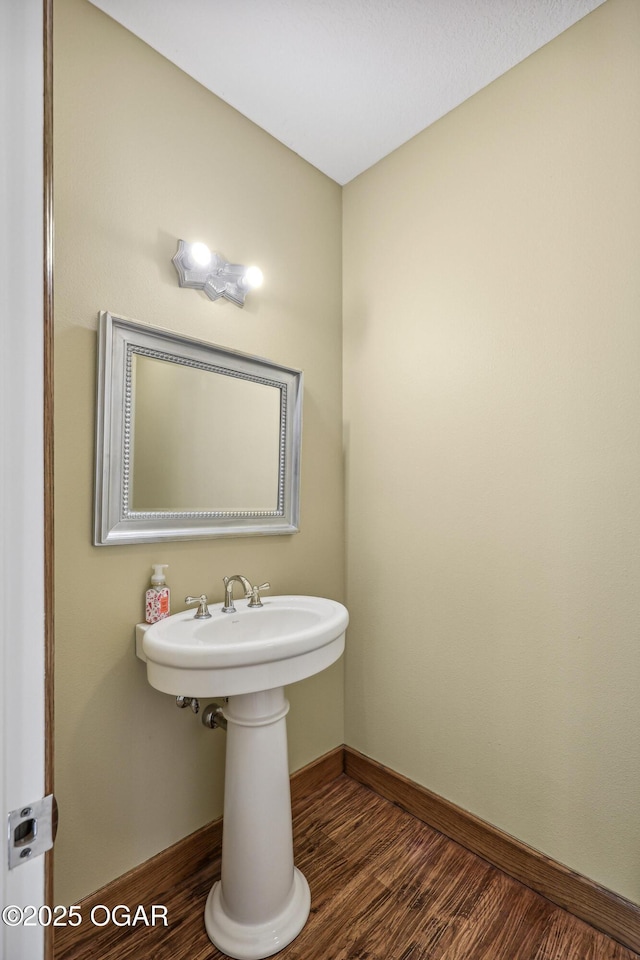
228	606
249	592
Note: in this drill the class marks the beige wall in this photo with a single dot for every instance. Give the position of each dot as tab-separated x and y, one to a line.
143	156
492	398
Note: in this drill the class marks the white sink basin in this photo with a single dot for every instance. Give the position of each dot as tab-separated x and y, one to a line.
287	639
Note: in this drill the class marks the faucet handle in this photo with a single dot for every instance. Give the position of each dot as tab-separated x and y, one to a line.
255	594
202	613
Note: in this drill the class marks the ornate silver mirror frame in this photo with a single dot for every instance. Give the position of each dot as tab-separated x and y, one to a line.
118	518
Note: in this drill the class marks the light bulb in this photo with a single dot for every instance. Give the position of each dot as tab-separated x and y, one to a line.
253	277
200	254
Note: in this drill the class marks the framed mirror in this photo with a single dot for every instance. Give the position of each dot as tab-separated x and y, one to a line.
192	440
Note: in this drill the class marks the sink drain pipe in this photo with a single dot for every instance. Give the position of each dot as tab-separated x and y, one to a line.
213	717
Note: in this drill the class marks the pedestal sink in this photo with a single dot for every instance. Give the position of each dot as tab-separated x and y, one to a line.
262	901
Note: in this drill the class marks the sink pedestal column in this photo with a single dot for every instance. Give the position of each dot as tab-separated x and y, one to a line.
262	901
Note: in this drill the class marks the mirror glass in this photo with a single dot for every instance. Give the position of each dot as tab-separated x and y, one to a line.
192	440
173	406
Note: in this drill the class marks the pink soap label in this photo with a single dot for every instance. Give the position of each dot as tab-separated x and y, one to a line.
157	605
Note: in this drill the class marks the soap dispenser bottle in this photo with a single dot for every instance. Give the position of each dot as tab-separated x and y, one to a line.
157	598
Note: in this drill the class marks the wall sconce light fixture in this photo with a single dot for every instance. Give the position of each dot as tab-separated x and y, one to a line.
198	267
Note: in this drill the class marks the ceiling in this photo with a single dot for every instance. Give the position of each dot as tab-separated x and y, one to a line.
344	82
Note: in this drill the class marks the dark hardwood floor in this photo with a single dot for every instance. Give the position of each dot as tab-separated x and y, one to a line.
384	886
